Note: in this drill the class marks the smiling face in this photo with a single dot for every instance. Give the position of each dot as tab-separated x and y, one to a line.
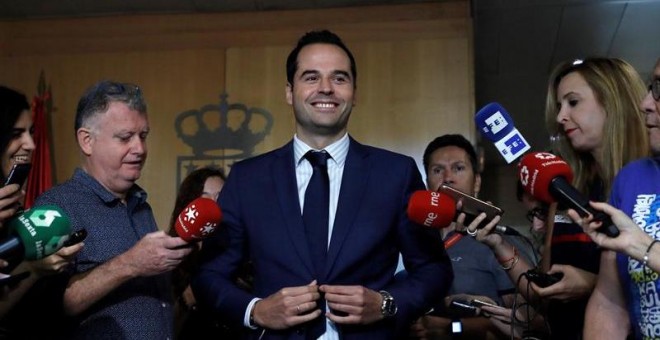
580	115
21	145
322	94
651	108
115	146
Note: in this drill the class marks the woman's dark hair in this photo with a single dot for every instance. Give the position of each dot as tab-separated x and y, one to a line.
12	104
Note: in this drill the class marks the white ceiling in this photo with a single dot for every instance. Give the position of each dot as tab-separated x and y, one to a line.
517	42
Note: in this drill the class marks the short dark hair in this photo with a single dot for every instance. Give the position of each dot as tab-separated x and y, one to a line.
450	140
98	97
317	37
12	104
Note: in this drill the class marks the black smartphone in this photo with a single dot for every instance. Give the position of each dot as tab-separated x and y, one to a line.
18	173
471	205
76	237
459	308
11	280
542	279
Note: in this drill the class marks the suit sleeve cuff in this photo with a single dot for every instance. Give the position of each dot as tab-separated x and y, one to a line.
248	311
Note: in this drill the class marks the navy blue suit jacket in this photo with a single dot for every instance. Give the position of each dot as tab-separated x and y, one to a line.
262	222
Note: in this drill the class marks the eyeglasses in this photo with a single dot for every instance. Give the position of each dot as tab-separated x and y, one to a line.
654	88
539	212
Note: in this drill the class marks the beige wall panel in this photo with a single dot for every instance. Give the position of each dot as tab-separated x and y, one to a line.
414	66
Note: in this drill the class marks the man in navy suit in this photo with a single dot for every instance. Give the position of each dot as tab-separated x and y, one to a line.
352	293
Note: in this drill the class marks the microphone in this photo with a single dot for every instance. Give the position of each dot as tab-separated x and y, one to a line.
437	210
547	178
431	209
495	124
198	220
36	233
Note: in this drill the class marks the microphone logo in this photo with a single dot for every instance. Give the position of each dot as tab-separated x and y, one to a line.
208	228
495	123
191	213
524	176
544	155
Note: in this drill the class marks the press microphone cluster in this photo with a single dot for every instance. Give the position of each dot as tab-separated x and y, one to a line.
547	178
36	233
436	210
198	220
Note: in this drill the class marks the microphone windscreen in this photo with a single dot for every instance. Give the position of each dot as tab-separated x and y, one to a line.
198	219
42	230
431	209
494	122
537	170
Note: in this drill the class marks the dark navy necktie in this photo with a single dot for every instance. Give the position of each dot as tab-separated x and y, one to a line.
315	217
315	210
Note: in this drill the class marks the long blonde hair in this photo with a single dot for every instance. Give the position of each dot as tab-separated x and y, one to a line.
619	90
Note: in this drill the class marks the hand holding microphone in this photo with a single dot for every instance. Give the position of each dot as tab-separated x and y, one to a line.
36	233
439	209
547	178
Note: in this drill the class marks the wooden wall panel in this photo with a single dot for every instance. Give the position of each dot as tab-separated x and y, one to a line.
414	66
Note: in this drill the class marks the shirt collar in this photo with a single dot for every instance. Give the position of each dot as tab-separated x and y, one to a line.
337	150
136	192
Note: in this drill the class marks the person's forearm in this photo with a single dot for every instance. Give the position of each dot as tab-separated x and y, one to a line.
87	288
606	316
505	251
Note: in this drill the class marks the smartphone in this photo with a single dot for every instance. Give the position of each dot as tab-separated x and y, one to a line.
75	237
479	303
459	308
542	279
472	206
18	173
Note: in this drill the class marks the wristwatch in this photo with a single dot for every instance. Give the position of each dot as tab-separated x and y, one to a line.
388	307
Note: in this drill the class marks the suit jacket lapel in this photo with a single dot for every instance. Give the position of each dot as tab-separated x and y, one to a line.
284	177
352	191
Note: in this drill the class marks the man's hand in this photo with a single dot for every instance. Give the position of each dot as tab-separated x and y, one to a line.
156	253
360	303
288	307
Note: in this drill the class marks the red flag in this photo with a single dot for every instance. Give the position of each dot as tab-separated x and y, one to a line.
41	177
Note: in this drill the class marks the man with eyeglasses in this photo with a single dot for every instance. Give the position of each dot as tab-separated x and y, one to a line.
627	294
119	287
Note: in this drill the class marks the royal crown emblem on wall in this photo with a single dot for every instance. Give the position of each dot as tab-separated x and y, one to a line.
220	135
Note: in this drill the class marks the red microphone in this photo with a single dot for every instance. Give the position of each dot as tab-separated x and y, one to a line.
537	170
548	178
431	209
198	220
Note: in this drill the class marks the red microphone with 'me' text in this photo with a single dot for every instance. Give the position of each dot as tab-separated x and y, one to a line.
431	209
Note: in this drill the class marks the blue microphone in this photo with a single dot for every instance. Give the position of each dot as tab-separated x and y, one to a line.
497	125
